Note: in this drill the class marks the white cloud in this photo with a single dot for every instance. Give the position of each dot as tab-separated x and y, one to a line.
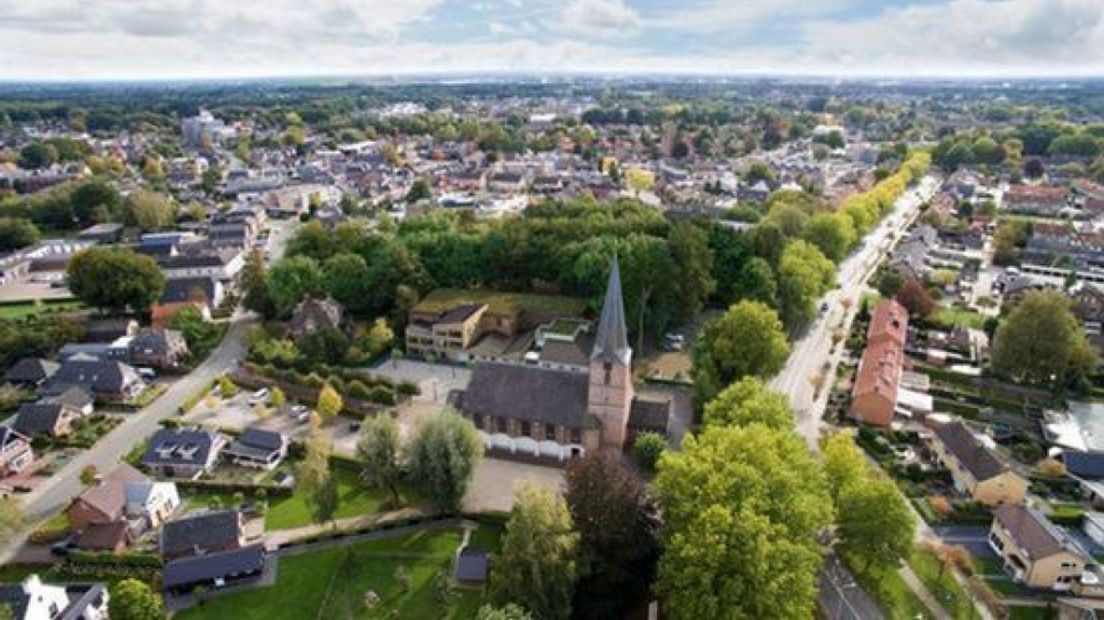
599	18
716	16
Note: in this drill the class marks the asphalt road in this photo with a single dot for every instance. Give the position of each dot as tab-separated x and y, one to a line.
811	352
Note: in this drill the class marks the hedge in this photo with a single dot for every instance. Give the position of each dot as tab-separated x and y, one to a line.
134	558
190	402
216	486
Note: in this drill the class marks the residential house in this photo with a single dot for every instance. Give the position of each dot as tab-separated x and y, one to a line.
1036	199
193	289
200	534
874	394
124	495
313	315
976	469
53	419
159	348
107	380
215	570
111	537
32	599
75	397
257	447
222	265
15	452
1034	551
183	452
109	330
30	372
507	182
108	232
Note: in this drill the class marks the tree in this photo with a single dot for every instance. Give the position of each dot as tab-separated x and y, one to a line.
254	286
94	201
11	518
874	523
843	462
379	449
889	282
442	457
131	599
742	508
639	180
419	190
313	478
1042	342
647	448
347	279
16	233
291	280
915	298
227	388
618	528
276	397
115	278
833	233
747	340
749	401
689	248
804	274
148	210
37	155
330	402
88	475
510	611
537	565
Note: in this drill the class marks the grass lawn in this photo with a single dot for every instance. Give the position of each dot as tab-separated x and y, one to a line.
333	583
959	317
1031	613
946	589
21	310
891	593
986	565
291	512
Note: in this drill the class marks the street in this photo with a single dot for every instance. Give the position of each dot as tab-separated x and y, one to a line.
812	352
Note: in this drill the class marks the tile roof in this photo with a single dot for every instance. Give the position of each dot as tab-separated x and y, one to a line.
888	321
31	370
980	461
109	495
103	536
1087	465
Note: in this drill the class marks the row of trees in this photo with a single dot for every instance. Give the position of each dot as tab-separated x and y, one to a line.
92	201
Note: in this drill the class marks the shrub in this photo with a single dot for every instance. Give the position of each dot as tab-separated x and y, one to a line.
647	449
408	388
382	396
356	389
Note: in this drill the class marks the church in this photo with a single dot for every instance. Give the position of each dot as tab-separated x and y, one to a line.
527	410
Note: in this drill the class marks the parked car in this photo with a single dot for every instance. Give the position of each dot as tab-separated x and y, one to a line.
283	479
146	373
297	410
259	396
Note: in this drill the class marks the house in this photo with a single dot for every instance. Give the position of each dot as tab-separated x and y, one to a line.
183	452
198	288
1087	468
545	412
1036	199
450	333
32	599
215	570
313	315
76	397
874	395
53	419
106	233
222	265
15	452
30	372
470	566
976	470
1033	550
202	533
257	447
112	537
108	330
106	380
507	182
158	347
124	495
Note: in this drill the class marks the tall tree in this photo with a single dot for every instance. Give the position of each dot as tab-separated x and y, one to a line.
749	401
379	449
747	340
804	274
833	233
915	298
536	568
442	457
843	462
1042	342
330	402
16	233
874	523
131	599
742	511
148	210
312	475
291	280
253	282
115	278
618	545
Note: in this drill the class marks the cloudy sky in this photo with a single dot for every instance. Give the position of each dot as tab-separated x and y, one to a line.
90	39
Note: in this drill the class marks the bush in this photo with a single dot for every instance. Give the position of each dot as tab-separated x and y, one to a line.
382	395
647	448
356	389
408	388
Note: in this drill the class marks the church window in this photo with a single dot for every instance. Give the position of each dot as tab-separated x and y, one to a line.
526	428
576	436
550	431
500	424
608	368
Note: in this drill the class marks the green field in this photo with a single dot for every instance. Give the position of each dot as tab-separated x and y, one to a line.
445	299
958	317
334	583
291	512
942	585
29	308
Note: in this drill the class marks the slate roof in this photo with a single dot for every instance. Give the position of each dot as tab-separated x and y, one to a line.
180	446
187	571
31	370
611	341
96	375
1032	531
73	396
80	597
525	393
471	565
970	452
460	313
109	495
15	598
1087	465
34	418
207	530
157	341
257	443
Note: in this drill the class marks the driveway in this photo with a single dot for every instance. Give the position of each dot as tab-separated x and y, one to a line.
492	488
975	538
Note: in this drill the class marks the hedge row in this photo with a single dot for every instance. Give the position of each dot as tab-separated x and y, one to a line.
218	486
135	558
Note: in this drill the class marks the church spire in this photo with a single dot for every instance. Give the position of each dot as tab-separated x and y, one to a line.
611	344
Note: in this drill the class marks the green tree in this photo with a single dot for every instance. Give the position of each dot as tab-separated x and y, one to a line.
37	155
874	523
330	402
647	448
843	462
1042	342
804	274
442	457
537	565
689	247
227	388
115	278
276	397
889	282
16	233
742	508
313	478
148	210
94	201
131	599
757	283
379	448
749	401
746	340
510	611
618	535
291	280
347	279
833	233
253	282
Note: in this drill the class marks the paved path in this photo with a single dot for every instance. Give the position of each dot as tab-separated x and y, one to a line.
275	538
921	591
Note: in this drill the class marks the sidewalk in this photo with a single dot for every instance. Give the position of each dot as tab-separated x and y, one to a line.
921	592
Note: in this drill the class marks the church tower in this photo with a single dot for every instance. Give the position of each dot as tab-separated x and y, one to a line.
610	395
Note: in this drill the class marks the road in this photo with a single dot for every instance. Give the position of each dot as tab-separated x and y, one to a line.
811	354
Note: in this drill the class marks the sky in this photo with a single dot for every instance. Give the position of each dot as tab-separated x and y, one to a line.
156	39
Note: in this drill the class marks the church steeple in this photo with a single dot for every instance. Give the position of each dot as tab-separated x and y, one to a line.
611	343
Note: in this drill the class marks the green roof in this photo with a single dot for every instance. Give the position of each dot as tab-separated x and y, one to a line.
445	299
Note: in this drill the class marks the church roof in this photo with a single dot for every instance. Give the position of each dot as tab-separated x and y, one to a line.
525	393
611	342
